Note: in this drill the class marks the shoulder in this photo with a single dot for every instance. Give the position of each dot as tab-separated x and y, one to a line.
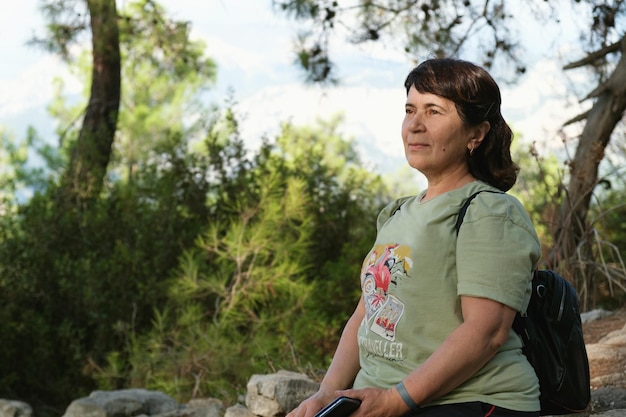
391	208
489	205
490	201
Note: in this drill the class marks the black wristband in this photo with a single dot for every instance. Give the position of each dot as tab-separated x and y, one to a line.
406	397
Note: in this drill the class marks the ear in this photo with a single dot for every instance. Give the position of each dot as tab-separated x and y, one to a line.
477	134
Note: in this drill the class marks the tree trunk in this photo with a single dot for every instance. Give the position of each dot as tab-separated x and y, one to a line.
572	228
91	154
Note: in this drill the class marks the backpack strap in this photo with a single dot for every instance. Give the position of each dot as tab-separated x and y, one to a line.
464	207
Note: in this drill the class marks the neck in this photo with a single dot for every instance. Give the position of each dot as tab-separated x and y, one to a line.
450	183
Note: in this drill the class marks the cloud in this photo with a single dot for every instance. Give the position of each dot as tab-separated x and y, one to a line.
33	86
230	57
372	116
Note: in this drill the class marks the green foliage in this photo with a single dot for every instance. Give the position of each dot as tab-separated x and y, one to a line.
233	299
164	75
343	192
211	254
346	199
153	40
11	155
76	282
614	220
538	186
273	276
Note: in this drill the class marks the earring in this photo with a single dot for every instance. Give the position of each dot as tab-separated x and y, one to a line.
471	151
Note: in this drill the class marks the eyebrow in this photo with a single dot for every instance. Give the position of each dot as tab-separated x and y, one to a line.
427	105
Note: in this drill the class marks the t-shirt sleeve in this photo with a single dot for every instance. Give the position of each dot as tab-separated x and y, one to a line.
496	254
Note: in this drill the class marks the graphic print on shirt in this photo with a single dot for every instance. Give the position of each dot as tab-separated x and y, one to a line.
382	268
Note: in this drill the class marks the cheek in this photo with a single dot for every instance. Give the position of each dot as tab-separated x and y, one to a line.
403	130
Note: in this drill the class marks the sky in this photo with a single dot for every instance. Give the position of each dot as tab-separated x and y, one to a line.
252	47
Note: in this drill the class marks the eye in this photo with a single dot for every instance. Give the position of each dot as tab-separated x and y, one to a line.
408	110
432	111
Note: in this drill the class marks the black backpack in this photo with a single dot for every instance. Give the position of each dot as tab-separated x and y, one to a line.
552	337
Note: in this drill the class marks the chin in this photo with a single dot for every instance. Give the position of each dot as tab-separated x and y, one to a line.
414	163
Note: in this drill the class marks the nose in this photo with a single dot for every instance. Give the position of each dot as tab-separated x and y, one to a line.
415	122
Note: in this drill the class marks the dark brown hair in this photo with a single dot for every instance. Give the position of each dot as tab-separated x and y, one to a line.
477	99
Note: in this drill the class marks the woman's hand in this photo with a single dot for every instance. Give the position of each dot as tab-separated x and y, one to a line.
377	402
313	404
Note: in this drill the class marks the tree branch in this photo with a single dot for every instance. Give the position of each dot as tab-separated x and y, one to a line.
579	118
615	80
594	56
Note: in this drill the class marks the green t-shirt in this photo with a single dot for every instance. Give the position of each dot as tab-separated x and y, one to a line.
413	278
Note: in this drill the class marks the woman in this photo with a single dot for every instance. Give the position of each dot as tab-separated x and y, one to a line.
431	334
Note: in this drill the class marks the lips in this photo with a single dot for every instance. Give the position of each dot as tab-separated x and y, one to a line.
417	146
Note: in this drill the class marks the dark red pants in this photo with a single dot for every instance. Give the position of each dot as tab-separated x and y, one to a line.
472	409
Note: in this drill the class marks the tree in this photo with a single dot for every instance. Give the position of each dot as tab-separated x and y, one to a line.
163	76
143	24
459	27
605	114
90	156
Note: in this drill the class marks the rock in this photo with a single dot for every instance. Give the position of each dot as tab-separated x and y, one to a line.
611	413
205	407
130	402
594	315
10	408
607	359
238	411
277	394
608	398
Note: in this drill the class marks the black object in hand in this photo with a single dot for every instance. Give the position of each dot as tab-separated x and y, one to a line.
339	407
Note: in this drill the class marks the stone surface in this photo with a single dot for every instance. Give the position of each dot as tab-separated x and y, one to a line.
10	408
130	402
276	394
238	411
206	407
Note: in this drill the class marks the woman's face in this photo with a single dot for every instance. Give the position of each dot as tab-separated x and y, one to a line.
435	139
